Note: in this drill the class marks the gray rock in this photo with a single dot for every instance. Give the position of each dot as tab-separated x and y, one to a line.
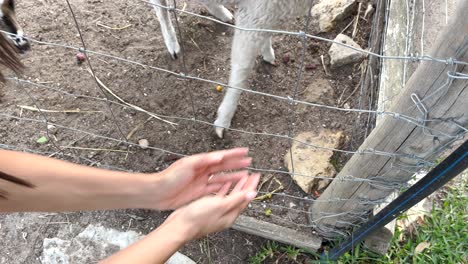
341	55
93	244
329	12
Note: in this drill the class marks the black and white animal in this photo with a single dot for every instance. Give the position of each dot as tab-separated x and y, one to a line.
247	45
9	23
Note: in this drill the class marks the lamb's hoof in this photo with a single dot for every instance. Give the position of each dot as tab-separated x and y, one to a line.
174	49
272	63
220	132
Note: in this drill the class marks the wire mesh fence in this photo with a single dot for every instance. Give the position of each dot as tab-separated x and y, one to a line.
89	116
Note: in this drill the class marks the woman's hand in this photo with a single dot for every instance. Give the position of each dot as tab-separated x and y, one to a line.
204	216
214	213
195	176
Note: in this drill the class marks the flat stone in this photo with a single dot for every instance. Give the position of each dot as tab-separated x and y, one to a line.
91	245
329	12
313	161
319	91
341	55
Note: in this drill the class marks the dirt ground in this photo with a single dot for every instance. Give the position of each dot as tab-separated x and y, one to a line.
207	48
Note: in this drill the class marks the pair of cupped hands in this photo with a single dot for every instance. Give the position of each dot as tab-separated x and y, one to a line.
208	190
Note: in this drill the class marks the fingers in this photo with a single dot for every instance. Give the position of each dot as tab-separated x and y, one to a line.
230	164
246	188
224	190
240	184
252	182
234	201
212	188
228	177
217	157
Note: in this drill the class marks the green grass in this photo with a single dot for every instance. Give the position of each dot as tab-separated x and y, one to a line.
445	229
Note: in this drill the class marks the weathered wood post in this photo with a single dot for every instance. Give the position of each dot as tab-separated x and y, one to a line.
367	178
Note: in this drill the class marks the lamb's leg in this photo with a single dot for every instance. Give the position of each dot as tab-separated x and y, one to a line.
168	31
268	53
219	11
245	48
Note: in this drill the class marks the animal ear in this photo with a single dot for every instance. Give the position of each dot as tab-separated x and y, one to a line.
9	57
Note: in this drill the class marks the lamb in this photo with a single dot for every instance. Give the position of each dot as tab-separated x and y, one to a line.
11	25
259	14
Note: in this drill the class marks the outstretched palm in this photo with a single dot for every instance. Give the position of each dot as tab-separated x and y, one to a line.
193	177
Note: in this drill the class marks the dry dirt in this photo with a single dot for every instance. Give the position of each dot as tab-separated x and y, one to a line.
207	48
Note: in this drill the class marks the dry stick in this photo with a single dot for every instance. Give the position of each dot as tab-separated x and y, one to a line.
363	72
74	111
95	149
350	23
356	21
134	130
369	10
324	66
137	108
113	28
269	195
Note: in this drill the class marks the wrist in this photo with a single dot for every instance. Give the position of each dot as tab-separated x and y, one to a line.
145	195
179	229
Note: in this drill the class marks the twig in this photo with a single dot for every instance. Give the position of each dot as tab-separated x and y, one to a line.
323	64
196	45
270	194
369	10
350	23
95	149
356	21
73	111
113	28
137	108
138	127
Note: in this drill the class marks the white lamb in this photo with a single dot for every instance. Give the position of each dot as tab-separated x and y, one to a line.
247	45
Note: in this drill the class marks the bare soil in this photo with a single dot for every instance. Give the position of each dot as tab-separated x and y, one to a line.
207	50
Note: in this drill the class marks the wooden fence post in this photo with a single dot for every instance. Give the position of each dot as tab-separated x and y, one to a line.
366	177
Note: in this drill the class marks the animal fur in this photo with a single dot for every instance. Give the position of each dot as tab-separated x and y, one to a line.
246	46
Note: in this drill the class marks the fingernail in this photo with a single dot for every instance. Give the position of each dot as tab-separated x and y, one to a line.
251	195
217	157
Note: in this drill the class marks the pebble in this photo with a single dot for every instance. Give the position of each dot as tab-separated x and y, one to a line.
311	66
52	129
143	143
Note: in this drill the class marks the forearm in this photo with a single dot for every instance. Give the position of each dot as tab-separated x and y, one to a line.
62	186
155	248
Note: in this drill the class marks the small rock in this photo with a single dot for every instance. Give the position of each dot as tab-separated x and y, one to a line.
312	161
143	143
341	55
286	58
52	129
80	57
311	66
329	12
347	106
292	205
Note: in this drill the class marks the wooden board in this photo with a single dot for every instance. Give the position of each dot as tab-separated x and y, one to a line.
281	234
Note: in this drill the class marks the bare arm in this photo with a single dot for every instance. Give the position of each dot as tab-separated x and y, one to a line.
35	183
202	217
54	185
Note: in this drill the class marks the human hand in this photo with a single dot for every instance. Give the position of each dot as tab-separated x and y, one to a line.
195	176
213	213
